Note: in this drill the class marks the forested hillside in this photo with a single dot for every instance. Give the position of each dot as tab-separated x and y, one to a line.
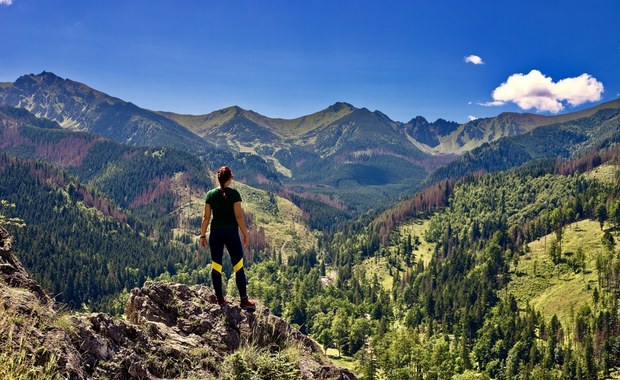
134	178
148	181
455	314
77	244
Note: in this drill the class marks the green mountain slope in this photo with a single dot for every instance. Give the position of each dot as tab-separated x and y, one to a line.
335	154
472	306
76	243
361	151
134	178
560	290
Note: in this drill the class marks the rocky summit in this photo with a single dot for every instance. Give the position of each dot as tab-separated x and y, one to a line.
169	331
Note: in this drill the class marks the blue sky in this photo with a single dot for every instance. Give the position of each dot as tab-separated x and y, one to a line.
289	58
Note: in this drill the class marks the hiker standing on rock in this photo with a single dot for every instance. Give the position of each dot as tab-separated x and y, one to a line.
225	204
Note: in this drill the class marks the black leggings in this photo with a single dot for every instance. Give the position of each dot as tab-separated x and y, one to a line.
228	237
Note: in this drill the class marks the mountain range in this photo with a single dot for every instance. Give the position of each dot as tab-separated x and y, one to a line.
343	154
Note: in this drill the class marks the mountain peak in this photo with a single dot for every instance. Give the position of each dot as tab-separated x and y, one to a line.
429	133
78	107
340	106
383	116
44	77
418	120
48	75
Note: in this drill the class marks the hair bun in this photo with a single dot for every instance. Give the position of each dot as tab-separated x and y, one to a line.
223	175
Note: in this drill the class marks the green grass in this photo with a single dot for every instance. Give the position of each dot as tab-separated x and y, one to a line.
605	173
18	337
379	265
418	227
252	149
556	289
282	221
250	362
341	361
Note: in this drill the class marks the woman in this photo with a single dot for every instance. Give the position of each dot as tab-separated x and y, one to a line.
225	204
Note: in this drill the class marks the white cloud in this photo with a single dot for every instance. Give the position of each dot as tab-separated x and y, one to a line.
474	59
471	118
6	2
534	90
495	103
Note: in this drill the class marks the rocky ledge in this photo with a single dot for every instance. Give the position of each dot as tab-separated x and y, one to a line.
169	331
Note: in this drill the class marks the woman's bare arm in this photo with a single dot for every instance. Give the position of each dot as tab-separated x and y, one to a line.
241	222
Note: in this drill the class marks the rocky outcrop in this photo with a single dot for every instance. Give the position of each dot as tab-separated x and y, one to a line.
170	331
13	273
31	333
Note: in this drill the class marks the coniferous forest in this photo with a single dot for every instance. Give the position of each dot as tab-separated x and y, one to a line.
455	316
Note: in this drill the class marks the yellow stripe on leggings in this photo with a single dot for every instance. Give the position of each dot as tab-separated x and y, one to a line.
216	267
238	266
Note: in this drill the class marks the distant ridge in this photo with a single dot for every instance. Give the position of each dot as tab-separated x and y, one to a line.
339	150
593	130
438	137
477	132
76	106
286	128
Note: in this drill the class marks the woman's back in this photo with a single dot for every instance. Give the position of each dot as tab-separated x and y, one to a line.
222	202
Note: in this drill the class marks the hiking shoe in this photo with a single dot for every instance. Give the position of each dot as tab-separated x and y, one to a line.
218	300
247	305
